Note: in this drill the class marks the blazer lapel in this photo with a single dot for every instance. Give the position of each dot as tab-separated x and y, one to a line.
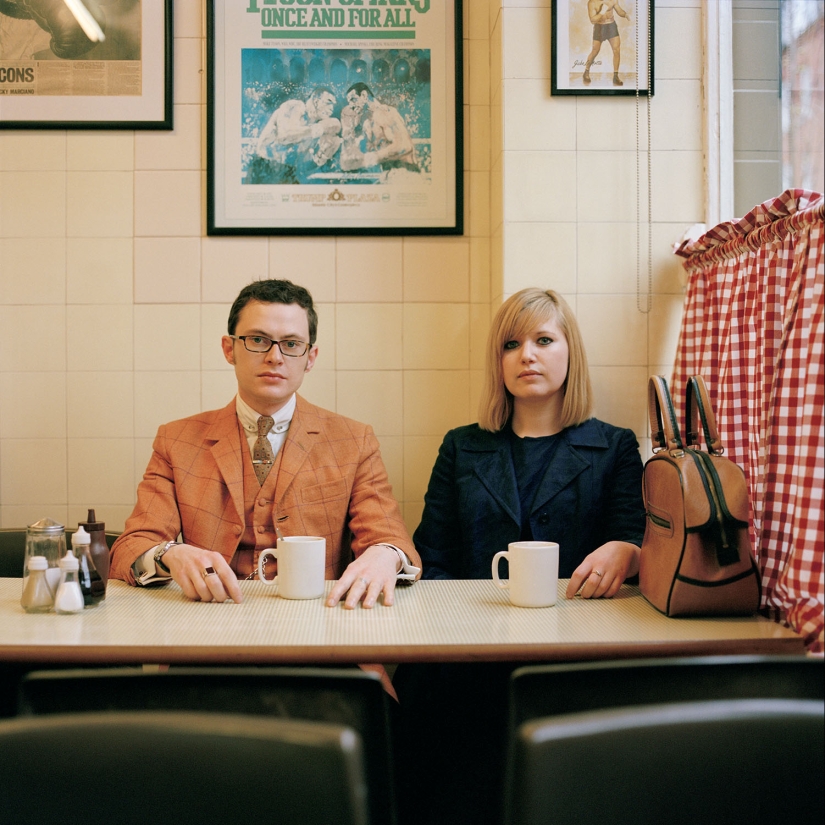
565	466
301	437
226	452
493	466
568	462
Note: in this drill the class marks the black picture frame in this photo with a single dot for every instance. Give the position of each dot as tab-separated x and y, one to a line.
392	166
576	33
127	77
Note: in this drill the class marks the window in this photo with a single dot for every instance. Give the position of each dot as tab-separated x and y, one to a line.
802	24
777	50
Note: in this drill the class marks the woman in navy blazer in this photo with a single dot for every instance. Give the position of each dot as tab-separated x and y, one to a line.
536	466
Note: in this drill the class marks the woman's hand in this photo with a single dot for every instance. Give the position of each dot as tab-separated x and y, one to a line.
601	574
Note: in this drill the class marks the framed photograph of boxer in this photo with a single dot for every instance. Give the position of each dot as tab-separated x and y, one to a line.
86	64
602	47
334	117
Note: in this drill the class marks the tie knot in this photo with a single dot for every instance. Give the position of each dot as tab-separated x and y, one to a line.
265	424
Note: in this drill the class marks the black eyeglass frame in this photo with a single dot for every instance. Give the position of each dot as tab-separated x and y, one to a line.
272	343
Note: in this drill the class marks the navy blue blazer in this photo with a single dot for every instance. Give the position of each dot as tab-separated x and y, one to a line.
591	493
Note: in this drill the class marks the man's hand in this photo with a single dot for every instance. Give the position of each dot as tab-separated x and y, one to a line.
188	565
601	573
365	579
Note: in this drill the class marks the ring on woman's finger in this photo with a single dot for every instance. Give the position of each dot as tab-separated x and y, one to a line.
598	573
364	581
209	571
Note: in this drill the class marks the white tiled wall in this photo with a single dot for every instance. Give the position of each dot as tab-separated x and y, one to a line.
574	176
113	300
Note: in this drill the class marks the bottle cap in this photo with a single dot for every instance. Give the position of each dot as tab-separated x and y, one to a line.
38	563
69	561
81	537
91	522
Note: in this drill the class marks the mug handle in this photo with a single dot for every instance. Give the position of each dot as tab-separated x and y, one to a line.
502	554
270	551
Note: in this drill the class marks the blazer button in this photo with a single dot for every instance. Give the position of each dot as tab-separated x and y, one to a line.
543	518
238	530
261	528
262	502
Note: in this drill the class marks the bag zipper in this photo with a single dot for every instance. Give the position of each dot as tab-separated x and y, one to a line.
708	475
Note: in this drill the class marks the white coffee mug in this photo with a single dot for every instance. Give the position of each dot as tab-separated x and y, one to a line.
301	565
534	572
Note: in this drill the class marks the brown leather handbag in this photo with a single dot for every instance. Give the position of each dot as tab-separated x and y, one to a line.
696	557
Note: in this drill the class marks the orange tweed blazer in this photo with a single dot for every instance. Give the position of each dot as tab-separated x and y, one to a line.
332	483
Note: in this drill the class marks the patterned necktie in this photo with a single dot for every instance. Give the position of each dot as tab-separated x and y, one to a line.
262	457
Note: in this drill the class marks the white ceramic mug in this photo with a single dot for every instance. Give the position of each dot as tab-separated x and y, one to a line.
534	572
301	564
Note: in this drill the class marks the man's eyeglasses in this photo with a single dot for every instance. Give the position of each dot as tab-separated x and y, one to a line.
258	343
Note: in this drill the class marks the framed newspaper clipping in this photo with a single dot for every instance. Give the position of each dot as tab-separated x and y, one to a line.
86	64
602	47
336	117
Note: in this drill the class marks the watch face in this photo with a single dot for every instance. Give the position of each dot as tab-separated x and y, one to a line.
160	552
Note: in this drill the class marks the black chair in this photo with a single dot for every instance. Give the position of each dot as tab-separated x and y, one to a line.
747	761
547	690
343	696
12	553
158	767
13	550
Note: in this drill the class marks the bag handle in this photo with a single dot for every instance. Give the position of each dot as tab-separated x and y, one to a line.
698	407
664	429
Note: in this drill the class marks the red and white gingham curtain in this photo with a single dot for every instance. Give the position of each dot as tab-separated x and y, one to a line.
753	328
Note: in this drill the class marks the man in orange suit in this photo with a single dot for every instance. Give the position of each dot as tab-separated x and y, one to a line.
220	485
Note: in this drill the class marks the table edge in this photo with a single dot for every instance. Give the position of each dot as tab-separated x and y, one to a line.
350	654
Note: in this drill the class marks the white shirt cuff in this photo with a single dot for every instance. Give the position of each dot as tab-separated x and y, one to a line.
408	570
146	571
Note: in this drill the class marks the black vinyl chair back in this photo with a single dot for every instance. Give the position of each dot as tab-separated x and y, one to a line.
747	761
343	696
547	690
158	767
13	550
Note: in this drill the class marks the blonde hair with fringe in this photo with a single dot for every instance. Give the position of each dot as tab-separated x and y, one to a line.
518	315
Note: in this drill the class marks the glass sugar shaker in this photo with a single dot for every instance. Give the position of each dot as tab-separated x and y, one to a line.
46	538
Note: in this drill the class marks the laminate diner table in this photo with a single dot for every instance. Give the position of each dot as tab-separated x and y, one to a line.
460	621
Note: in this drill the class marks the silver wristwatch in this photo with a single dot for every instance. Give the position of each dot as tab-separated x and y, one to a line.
159	551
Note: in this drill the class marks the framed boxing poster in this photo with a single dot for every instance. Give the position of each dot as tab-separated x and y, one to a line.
602	47
337	117
86	64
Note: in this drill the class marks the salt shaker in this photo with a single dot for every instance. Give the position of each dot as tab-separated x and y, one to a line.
69	596
37	595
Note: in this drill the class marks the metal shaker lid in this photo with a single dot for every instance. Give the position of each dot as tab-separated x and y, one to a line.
46	525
